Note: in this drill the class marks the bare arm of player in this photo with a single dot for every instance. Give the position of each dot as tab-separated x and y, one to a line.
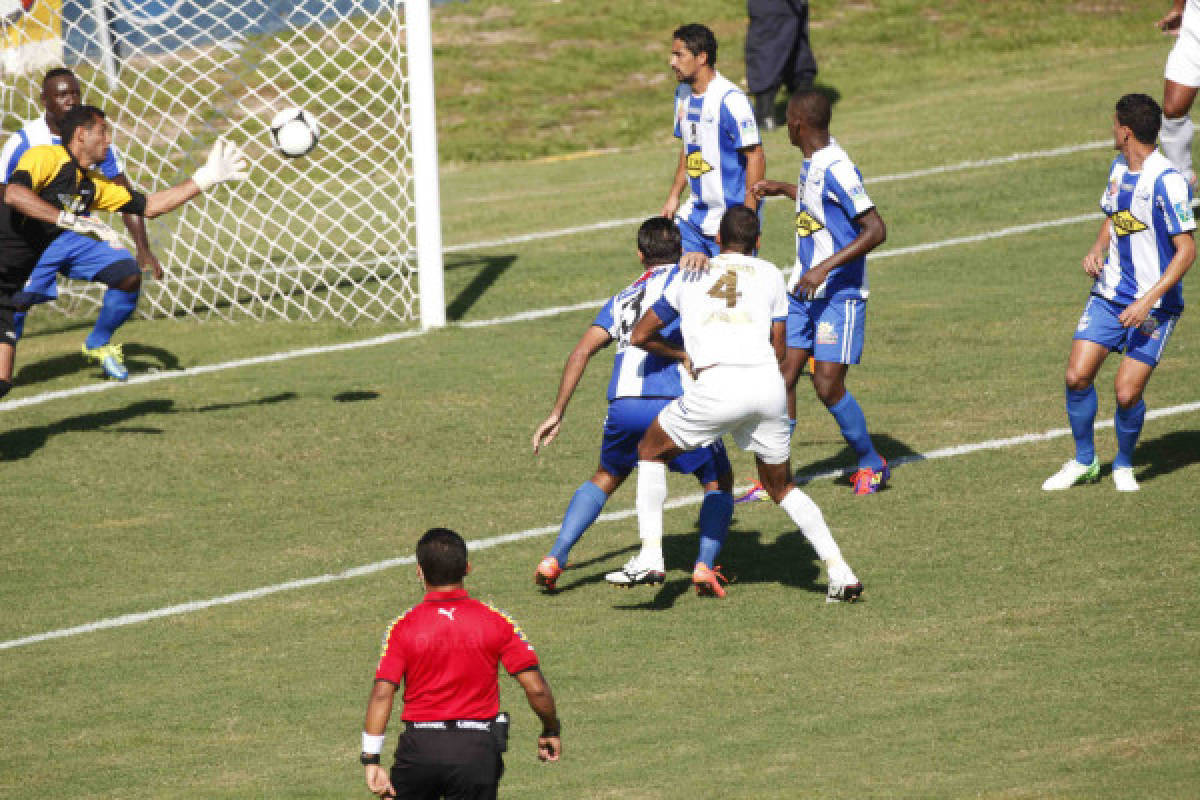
379	709
779	339
141	242
1093	262
1173	19
871	234
756	168
541	700
1185	253
646	336
677	185
592	341
774	189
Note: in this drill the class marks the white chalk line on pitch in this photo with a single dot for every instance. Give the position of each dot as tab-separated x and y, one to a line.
152	377
898	176
507	538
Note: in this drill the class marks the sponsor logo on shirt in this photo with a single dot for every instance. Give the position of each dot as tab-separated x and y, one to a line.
826	333
807	224
696	165
447	612
1184	212
1125	223
749	124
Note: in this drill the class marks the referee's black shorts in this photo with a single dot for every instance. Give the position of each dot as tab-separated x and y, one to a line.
454	764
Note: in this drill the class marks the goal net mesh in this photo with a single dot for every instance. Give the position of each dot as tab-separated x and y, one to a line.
327	235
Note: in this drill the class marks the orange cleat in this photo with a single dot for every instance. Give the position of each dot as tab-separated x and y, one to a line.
547	573
708	581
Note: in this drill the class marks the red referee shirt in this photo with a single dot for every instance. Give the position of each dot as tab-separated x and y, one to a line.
445	652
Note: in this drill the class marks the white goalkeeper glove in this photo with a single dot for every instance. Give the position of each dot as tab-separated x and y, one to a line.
88	226
226	162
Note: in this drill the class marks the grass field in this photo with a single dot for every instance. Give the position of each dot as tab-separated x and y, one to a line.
1011	643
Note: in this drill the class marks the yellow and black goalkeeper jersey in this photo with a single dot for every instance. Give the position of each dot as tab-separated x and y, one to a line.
56	177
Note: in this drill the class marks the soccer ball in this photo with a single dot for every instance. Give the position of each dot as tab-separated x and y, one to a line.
295	132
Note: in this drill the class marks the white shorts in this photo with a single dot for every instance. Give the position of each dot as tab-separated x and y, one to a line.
1183	64
748	402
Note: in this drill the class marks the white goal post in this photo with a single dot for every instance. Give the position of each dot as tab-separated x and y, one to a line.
352	231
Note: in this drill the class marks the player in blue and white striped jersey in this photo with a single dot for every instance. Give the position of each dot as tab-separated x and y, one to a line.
836	226
722	155
60	93
641	385
1145	246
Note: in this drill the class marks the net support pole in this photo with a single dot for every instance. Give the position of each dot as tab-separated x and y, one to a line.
107	50
427	195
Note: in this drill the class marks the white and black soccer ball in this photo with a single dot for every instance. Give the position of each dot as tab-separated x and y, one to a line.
294	132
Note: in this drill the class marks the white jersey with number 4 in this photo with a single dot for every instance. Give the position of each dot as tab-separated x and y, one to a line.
726	311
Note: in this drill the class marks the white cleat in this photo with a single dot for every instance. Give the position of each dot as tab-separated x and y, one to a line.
1072	474
1123	479
634	574
844	586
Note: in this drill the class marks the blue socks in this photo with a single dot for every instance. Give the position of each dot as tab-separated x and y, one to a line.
715	514
1081	411
850	419
19	324
585	506
1128	422
118	306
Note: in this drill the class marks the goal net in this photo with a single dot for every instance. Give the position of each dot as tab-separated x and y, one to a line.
349	232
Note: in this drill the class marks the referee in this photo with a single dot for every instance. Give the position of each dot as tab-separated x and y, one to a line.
445	650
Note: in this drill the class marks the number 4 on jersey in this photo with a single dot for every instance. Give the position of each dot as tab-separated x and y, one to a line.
726	289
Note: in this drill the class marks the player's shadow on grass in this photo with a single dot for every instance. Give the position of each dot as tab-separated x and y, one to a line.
789	560
1166	454
138	358
895	451
23	442
490	269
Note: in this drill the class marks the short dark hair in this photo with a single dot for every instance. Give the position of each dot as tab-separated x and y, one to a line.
698	39
739	230
812	106
442	556
81	116
660	241
57	72
1140	114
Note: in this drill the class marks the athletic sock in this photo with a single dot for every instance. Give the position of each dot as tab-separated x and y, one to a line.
651	496
1081	411
715	513
1128	422
1176	137
850	419
118	306
586	504
808	519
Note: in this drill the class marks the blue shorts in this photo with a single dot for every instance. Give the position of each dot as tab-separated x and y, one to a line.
831	330
1145	343
76	256
694	240
627	421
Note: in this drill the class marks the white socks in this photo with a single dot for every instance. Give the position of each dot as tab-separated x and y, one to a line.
651	496
1176	138
808	519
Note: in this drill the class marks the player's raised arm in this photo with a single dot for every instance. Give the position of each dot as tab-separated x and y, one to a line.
226	162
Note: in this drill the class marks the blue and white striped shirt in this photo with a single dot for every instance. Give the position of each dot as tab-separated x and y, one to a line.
637	373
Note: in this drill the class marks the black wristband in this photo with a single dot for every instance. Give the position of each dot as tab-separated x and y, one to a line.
556	732
367	759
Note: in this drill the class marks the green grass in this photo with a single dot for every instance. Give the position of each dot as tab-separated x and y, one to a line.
1011	643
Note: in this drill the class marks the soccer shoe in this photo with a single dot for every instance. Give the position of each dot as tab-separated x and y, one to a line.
708	581
547	573
1124	480
110	357
1072	474
844	586
869	481
753	494
634	574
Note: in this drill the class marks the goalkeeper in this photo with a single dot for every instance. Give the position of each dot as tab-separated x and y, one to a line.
44	221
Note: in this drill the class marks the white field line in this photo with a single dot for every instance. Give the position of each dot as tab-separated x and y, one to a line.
899	176
151	377
545	530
